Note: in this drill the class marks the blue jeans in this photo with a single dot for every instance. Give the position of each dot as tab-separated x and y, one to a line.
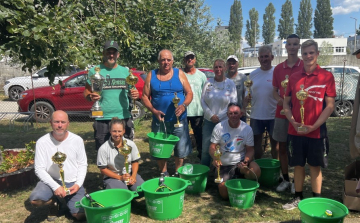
183	147
207	129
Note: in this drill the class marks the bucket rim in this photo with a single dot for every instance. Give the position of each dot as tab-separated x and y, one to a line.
187	183
175	139
247	189
324	200
112	206
267	159
194	174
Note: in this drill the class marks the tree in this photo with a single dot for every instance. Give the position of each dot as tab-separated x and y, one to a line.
268	28
326	53
236	25
303	27
252	28
286	22
323	20
73	32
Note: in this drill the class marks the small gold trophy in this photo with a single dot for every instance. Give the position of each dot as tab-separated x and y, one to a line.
284	84
59	158
301	96
217	155
176	101
248	83
125	150
97	83
131	80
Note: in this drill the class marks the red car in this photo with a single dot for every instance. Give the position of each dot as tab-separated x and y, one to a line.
68	97
208	72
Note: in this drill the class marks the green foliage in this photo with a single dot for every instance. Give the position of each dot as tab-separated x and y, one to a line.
303	27
74	32
24	158
323	20
326	54
236	24
268	28
252	27
286	22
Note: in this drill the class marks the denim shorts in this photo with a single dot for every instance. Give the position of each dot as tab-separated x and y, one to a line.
44	192
258	126
183	147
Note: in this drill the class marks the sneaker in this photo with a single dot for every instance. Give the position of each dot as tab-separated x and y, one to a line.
292	204
292	188
176	174
53	211
166	174
283	186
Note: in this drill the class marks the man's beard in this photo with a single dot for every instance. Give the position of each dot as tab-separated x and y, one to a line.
106	60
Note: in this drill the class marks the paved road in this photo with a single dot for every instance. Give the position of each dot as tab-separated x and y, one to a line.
10	107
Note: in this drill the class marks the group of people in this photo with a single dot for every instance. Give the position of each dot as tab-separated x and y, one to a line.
216	111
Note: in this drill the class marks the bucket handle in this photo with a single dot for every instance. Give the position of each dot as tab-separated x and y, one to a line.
188	183
257	180
139	189
136	193
159	130
78	205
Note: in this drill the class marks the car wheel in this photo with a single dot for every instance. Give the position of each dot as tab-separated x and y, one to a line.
343	108
141	108
14	92
43	112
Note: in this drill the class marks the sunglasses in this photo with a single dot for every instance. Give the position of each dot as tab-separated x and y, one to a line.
190	57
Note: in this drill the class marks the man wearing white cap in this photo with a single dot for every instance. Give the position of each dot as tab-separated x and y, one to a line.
196	79
232	64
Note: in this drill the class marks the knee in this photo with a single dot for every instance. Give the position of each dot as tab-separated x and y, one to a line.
79	216
223	191
255	169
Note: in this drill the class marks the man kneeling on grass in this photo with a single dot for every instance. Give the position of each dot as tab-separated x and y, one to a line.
236	142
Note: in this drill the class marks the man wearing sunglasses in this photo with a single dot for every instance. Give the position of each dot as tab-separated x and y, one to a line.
197	80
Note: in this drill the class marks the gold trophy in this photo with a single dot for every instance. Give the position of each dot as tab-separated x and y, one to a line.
132	80
217	155
284	84
125	150
301	96
59	158
176	101
97	83
248	83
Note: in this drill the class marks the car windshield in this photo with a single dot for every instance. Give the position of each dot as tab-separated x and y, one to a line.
78	81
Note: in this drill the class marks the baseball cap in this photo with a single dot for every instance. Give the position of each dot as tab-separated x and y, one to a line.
356	52
188	53
111	44
233	57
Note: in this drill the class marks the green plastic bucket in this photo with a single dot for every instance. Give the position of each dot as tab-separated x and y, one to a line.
198	178
312	210
242	192
270	172
164	205
117	206
161	144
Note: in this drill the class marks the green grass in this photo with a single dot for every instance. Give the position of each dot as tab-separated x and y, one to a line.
207	207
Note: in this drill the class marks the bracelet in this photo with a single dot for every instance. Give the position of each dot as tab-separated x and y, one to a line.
184	105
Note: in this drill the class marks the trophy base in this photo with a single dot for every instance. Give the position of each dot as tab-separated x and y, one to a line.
67	192
126	182
302	129
97	114
135	112
282	112
178	125
218	180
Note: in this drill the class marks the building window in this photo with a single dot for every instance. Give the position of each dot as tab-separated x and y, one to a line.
339	49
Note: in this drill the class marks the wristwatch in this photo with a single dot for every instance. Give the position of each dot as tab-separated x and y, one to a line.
185	106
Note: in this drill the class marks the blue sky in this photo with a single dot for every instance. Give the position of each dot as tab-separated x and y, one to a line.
342	11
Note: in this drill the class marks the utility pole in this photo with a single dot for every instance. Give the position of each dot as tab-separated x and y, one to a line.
355	33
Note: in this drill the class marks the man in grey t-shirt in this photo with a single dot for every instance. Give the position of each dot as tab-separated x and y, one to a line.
232	64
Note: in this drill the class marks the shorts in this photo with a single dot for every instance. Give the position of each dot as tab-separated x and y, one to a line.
44	192
303	150
183	147
280	131
258	126
229	172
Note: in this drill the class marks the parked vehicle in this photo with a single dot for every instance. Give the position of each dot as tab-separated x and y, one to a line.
68	97
345	94
208	72
247	70
15	86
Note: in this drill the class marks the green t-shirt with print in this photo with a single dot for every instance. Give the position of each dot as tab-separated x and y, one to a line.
197	82
114	99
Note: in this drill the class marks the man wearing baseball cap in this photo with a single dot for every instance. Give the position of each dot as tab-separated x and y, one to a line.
197	80
114	99
232	65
